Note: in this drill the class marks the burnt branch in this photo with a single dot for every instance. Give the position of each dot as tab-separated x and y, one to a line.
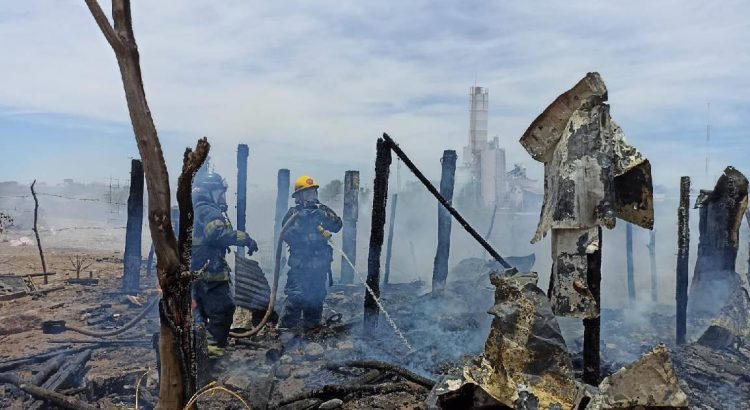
192	161
103	23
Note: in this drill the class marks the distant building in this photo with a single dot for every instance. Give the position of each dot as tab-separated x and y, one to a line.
524	194
484	159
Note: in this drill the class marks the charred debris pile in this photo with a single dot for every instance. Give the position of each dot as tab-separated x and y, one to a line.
484	335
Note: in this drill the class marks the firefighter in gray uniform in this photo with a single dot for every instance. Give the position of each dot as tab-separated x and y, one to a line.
310	255
212	236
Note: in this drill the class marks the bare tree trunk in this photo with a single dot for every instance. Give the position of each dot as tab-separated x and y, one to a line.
447	181
176	344
349	234
36	232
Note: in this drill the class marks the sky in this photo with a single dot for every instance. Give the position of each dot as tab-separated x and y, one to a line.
311	85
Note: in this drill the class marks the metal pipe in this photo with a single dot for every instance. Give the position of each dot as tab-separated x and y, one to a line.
413	168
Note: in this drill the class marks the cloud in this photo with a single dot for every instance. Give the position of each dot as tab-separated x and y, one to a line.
311	85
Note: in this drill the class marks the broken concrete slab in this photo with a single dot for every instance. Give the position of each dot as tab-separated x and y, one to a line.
721	213
525	350
650	382
731	329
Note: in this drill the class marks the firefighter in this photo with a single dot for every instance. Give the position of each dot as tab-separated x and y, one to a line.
310	255
212	236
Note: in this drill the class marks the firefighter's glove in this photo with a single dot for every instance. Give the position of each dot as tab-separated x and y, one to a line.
243	239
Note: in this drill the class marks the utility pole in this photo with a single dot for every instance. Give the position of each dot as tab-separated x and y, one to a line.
132	258
349	234
242	153
447	182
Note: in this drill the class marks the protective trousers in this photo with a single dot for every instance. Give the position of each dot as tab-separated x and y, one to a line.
305	291
215	308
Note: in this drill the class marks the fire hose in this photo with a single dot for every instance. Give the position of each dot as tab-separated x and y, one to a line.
59	326
274	288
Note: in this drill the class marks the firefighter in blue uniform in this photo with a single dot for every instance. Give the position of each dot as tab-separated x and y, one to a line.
212	236
310	255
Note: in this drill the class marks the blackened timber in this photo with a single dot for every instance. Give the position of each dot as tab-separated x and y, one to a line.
447	182
389	246
349	234
591	327
282	203
652	260
413	168
683	252
629	261
242	153
721	212
377	231
132	258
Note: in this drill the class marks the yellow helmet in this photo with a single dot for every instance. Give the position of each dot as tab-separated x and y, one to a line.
304	182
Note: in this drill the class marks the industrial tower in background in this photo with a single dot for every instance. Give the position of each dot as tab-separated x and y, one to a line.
484	159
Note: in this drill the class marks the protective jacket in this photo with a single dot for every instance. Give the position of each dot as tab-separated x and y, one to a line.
212	236
308	247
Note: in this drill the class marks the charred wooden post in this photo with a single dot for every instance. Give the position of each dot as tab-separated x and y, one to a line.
683	253
350	216
377	232
282	203
389	246
447	182
721	212
629	261
427	184
131	277
591	327
242	153
36	232
652	260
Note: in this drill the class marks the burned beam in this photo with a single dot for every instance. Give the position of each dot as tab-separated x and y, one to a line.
282	203
413	168
447	182
242	153
131	276
350	217
629	262
591	327
683	253
377	231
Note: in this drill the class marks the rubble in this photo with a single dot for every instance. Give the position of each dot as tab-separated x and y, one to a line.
524	347
647	383
731	329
